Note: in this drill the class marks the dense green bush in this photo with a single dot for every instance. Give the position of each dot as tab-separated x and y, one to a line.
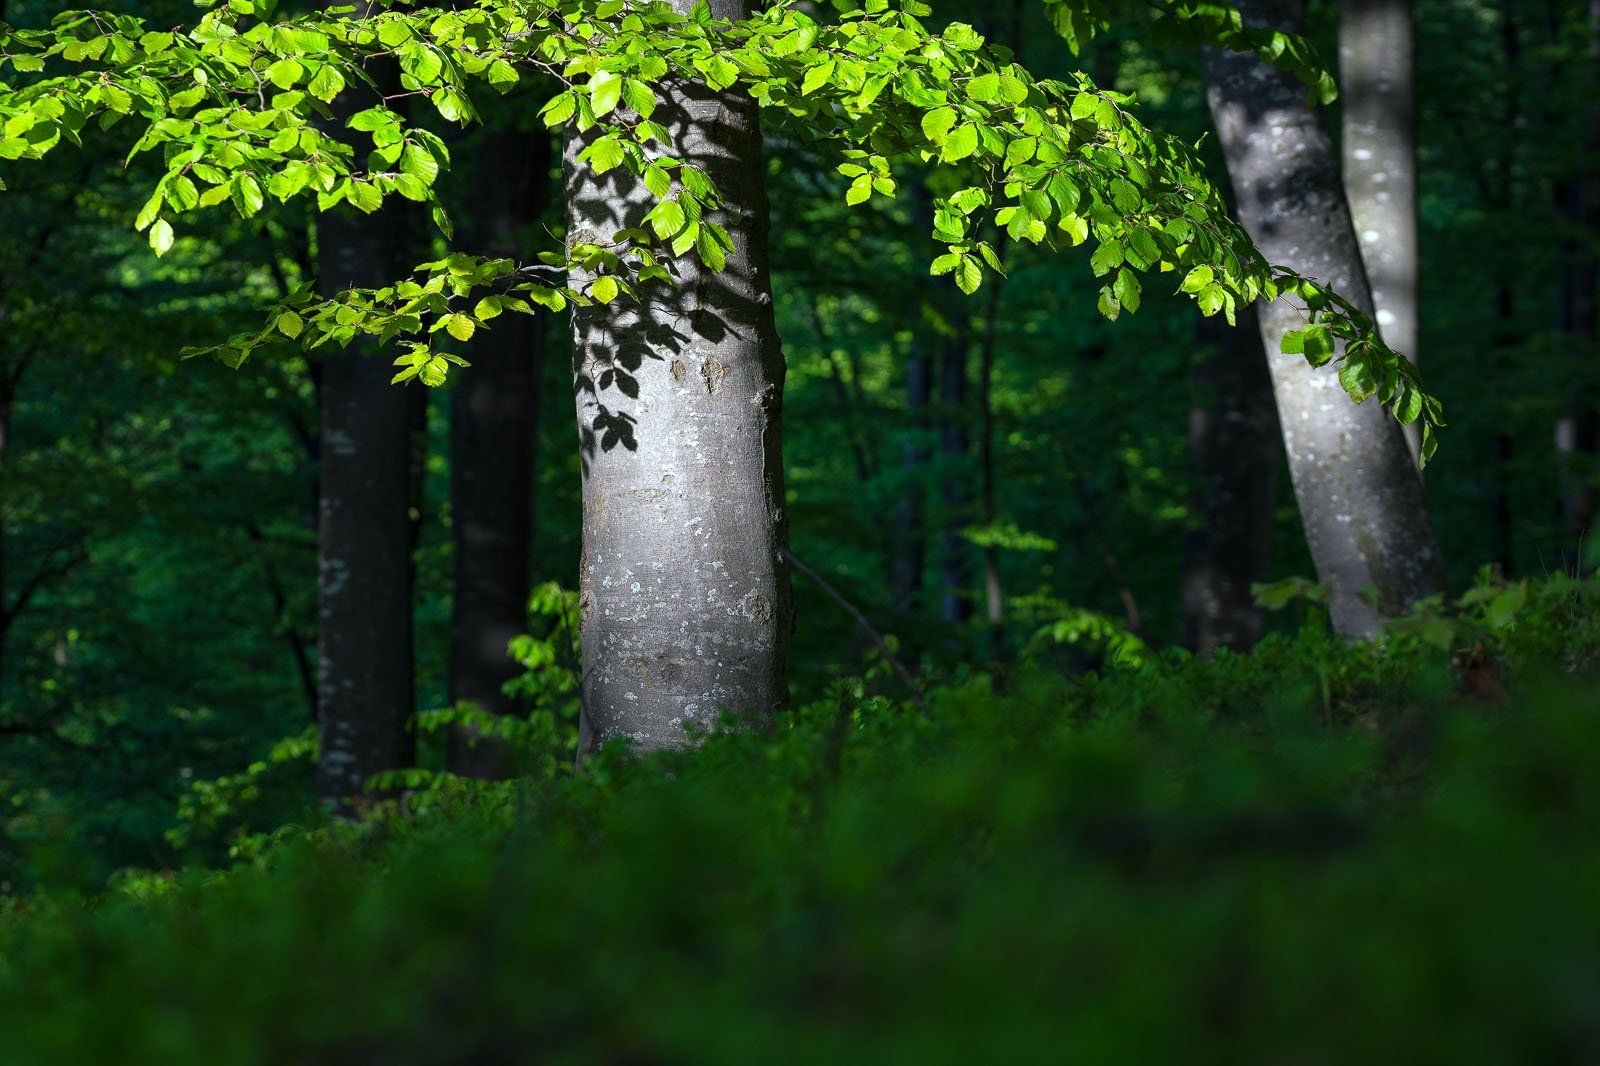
1314	853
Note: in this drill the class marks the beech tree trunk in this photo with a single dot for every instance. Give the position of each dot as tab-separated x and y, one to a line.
1360	495
684	583
364	675
365	693
1377	65
1234	445
494	422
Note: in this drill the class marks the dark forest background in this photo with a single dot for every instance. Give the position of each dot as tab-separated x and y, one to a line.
157	516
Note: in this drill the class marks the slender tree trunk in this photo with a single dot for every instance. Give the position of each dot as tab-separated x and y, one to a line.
993	591
1234	443
1377	74
1501	191
955	552
909	559
494	422
1359	492
365	689
685	599
910	545
1578	214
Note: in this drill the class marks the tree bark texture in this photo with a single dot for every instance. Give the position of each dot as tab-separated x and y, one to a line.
1360	495
494	422
1377	65
1234	445
684	593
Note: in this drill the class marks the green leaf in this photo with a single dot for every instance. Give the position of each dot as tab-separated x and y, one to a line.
604	154
816	77
285	73
419	161
326	84
1106	258
860	190
364	196
559	109
985	87
290	325
246	193
969	275
604	289
637	95
962	143
605	92
460	327
161	236
936	124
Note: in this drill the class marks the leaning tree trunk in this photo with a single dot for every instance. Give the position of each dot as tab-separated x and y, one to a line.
684	583
1359	492
365	689
1233	443
494	420
1377	66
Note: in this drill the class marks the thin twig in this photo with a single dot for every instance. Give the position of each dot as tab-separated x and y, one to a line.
899	667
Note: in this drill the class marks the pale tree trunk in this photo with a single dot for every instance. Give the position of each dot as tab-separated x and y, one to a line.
1359	492
494	422
364	674
1377	65
1234	445
685	600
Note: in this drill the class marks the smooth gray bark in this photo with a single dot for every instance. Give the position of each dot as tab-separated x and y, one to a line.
494	421
1360	495
1234	445
684	590
1377	64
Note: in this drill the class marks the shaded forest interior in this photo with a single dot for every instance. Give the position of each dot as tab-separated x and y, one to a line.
811	486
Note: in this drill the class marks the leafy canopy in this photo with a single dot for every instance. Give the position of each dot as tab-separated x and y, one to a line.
242	109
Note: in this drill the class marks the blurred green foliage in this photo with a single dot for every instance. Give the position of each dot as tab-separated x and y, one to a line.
1316	852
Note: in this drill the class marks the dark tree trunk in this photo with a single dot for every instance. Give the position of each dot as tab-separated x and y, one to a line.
1360	495
1377	64
955	551
909	554
910	544
1578	432
993	591
365	689
1235	446
494	422
685	599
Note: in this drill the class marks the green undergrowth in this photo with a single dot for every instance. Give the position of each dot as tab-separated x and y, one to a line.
1317	852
